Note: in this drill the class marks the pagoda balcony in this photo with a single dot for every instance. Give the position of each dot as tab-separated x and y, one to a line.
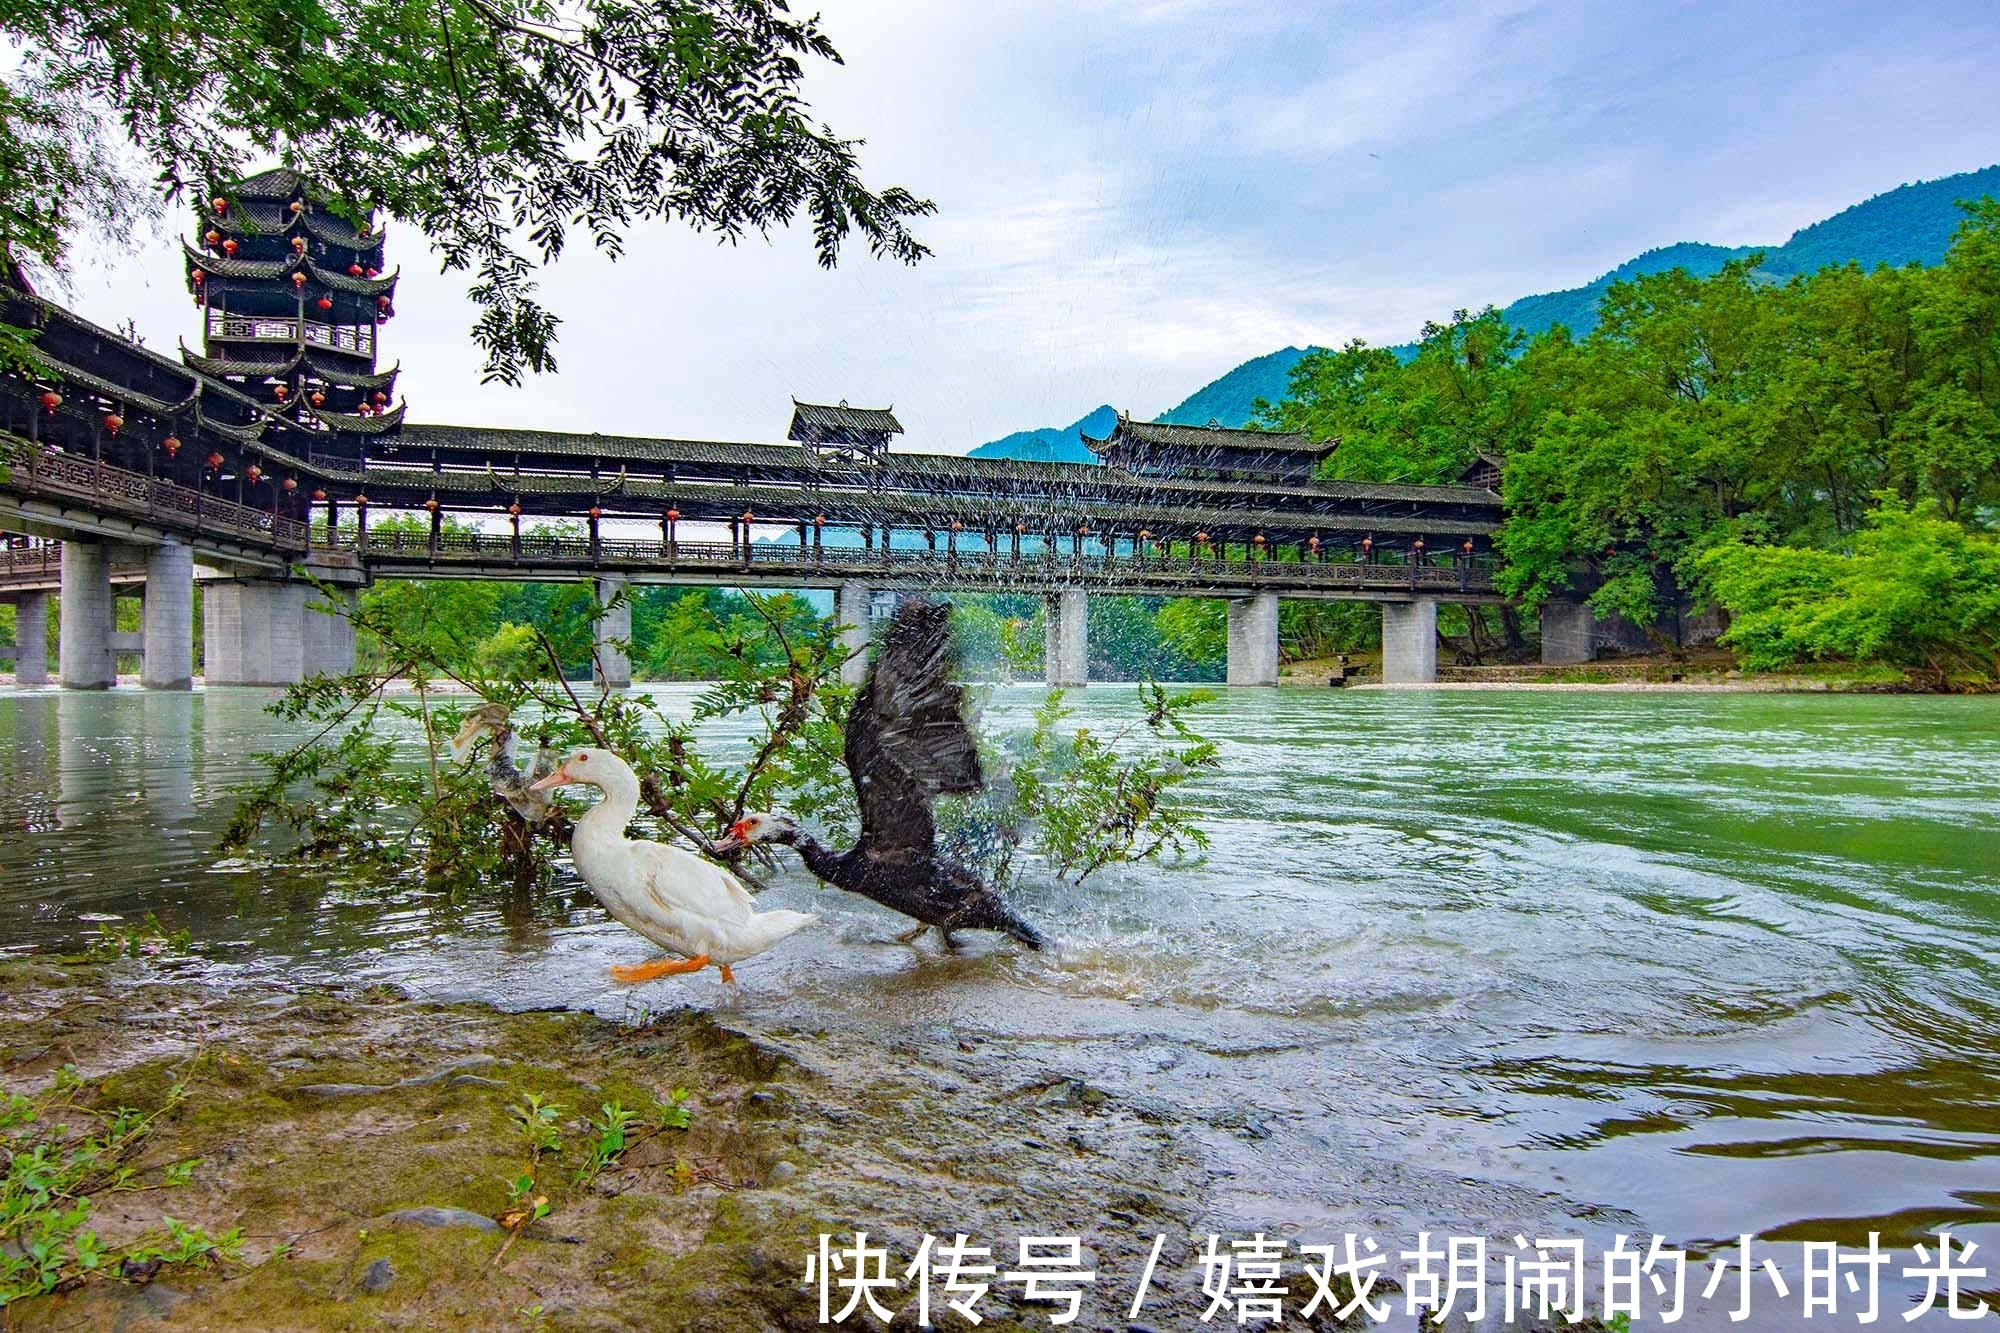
353	339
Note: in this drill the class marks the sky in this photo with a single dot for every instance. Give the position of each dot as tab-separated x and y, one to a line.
1134	196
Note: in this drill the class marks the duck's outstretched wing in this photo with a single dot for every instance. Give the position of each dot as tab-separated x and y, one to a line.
907	741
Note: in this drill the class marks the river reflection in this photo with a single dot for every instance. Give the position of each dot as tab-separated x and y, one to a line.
1476	962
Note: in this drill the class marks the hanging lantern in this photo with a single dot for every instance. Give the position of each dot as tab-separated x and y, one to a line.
354	270
298	279
361	501
212	236
673	516
318	494
253	474
595	513
199	277
747	516
113	422
1258	539
372	271
229	246
1201	539
220	205
1020	528
431	504
382	304
51	400
1467	546
380	398
1313	544
291	484
514	510
215	462
298	245
318	398
172	444
298	207
819	520
1367	545
1418	546
281	391
324	303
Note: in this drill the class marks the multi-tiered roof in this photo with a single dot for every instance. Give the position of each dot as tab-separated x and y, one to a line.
293	297
843	434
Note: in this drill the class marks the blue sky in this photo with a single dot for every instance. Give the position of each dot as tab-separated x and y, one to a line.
1136	195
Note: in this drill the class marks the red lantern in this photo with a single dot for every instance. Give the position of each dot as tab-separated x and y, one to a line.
431	505
1367	545
1417	546
298	207
324	303
113	422
212	236
51	401
172	444
956	526
354	270
380	398
229	246
673	516
318	399
595	513
1201	539
1020	528
215	462
372	270
382	304
361	501
199	277
253	474
281	392
747	516
819	520
1467	547
220	205
298	279
298	245
318	494
514	510
1313	544
1258	539
291	484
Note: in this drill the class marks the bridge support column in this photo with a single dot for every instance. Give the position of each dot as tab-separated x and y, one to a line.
851	607
328	634
1410	642
1253	639
31	639
1066	639
1569	633
614	634
87	616
253	632
167	624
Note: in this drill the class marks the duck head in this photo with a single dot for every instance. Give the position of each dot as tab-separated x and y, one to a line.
595	768
758	828
485	720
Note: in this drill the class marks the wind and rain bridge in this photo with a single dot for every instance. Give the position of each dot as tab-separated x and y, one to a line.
269	461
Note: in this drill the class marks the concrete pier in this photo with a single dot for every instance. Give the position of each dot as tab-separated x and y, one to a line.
31	639
1569	633
1409	642
1253	640
253	632
1066	639
613	669
167	623
87	618
327	633
851	611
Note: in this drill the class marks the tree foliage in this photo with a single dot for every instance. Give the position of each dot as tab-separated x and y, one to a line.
498	127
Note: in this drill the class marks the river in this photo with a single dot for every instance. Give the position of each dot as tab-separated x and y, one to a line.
1693	964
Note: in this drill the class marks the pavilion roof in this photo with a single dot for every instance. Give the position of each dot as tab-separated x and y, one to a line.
1172	435
811	420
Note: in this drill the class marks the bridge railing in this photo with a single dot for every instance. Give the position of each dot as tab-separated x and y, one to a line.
544	550
134	494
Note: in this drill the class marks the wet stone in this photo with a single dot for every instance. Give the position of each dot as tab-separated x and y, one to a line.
444	1217
378	1277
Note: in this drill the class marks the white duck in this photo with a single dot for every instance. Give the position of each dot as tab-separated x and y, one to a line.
674	898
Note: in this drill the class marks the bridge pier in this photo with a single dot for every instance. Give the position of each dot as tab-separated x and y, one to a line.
167	622
613	668
253	632
87	615
1569	633
1253	640
31	639
851	611
1066	639
329	633
1409	642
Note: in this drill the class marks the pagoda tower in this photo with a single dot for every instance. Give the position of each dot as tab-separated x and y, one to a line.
293	299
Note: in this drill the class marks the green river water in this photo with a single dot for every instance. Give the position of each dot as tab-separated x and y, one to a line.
1694	964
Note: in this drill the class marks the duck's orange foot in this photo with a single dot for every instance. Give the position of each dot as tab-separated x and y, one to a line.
632	974
727	975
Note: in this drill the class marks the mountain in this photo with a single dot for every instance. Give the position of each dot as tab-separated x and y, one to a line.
1910	224
1047	444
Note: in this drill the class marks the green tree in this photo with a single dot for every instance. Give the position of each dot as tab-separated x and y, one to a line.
498	127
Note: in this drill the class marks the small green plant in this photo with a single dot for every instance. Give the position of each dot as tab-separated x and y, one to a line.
675	1114
1619	1323
148	939
607	1143
59	1155
539	1123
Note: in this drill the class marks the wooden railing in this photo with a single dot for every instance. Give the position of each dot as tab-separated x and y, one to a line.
103	488
1046	567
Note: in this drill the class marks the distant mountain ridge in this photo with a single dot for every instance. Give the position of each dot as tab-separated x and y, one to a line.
1910	224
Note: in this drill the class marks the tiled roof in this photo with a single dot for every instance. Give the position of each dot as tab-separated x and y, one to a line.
816	417
1169	435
